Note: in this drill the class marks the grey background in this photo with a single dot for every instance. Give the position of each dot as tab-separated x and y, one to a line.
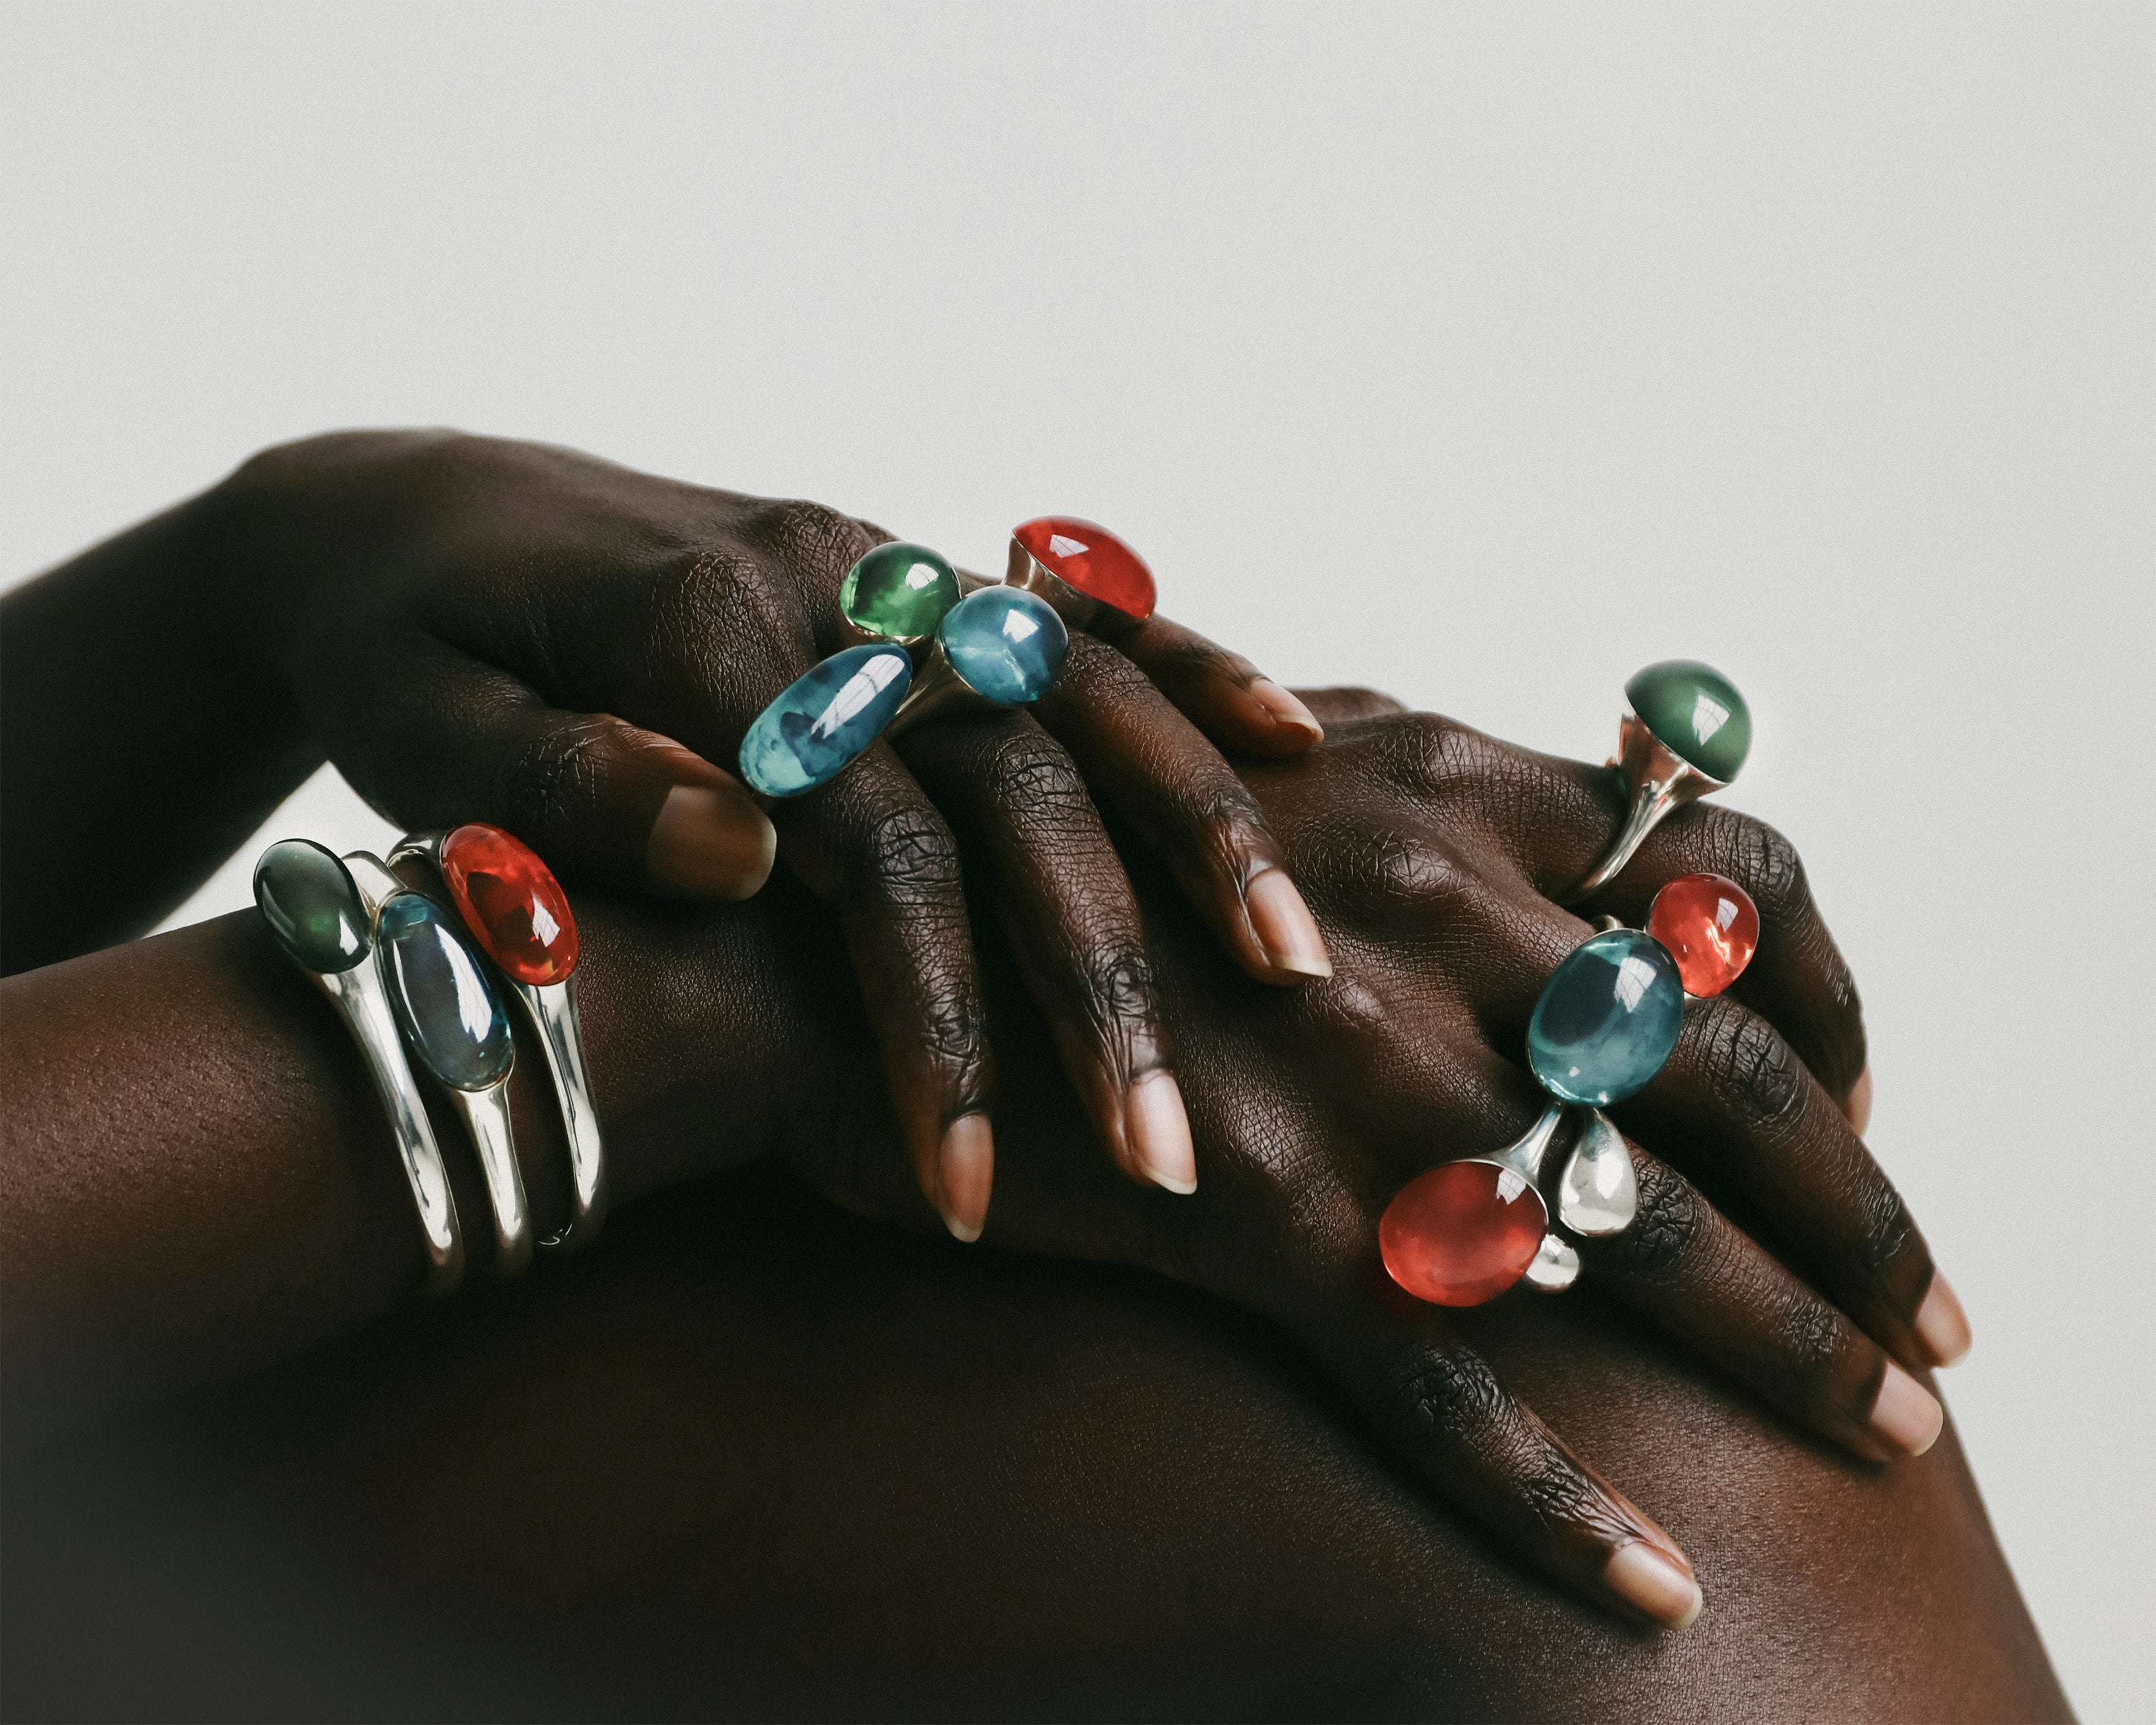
1480	353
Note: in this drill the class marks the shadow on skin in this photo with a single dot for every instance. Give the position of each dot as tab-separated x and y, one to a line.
750	1457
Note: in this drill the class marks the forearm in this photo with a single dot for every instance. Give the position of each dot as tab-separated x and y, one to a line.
197	1178
140	738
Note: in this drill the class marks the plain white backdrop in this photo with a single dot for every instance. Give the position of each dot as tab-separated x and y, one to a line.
1480	353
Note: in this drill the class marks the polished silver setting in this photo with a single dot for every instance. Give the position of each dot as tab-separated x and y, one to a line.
938	690
1555	1267
1598	1193
360	997
1659	781
1078	610
484	1111
552	1007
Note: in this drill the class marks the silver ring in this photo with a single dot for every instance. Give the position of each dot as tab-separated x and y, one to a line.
298	888
1681	718
551	1009
453	1050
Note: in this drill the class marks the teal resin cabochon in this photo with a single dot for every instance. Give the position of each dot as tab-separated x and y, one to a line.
1607	1018
306	895
1696	712
445	1002
1006	643
823	718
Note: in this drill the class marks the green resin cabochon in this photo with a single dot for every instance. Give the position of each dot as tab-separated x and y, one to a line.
305	895
900	591
1696	712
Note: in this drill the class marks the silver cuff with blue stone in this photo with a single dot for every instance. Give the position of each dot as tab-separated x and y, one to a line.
319	917
453	1022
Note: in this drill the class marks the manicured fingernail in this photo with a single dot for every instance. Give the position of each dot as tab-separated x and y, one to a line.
711	841
1284	925
1159	1131
1942	1326
1651	1581
1284	710
965	1171
1858	1107
1907	1417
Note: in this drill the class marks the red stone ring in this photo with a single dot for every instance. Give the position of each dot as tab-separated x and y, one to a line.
516	910
1093	580
1464	1232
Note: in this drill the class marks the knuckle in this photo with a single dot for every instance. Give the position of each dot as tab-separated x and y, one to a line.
1663	1226
702	598
810	537
1886	1232
1028	772
1120	984
1749	1066
912	856
1433	758
1761	860
1412	871
546	780
1812	1340
1447	1394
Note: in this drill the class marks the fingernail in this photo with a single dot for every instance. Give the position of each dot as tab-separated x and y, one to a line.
1283	709
1907	1416
1651	1580
1159	1131
1942	1326
711	841
965	1171
1858	1107
1284	926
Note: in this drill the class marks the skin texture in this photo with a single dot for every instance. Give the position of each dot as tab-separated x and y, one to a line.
208	1220
748	1458
472	629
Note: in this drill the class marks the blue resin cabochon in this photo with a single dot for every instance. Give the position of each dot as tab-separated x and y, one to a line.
446	1003
1607	1018
1006	643
819	722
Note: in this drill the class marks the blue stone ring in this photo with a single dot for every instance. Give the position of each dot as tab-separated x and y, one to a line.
998	647
451	1014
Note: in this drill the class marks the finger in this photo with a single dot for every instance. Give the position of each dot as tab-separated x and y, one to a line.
873	842
1062	897
1559	821
1687	1266
1158	772
600	798
1221	692
1437	1404
1734	1097
1345	706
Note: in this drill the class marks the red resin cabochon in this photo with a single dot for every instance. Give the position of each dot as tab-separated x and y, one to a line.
1461	1233
511	902
1090	558
1711	928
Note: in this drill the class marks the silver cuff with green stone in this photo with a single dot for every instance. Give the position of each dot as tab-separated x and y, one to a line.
317	915
454	1023
1685	735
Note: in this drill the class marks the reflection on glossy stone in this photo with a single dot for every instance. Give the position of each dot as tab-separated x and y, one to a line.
1086	556
306	896
1711	928
821	721
1607	1019
1461	1233
1005	643
1696	712
511	903
900	591
1555	1268
445	1002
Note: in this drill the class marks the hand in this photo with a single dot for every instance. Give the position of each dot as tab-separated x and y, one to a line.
480	630
1430	852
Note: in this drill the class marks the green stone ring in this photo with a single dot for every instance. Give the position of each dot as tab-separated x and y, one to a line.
325	925
1685	735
